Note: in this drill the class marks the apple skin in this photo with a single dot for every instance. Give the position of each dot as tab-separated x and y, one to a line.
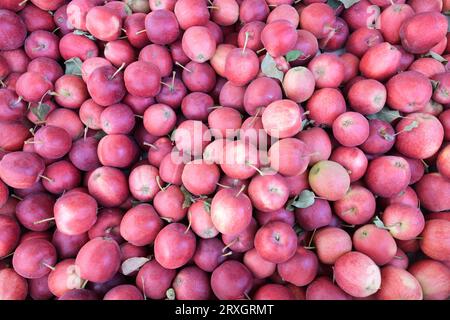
276	242
376	243
387	176
434	278
329	179
433	24
435	242
273	291
398	284
331	243
323	289
357	274
433	191
404	222
380	62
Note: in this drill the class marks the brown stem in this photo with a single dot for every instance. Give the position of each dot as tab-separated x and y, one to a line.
260	50
117	71
48	266
150	145
44	220
312	237
229	245
247	34
16	197
190	223
183	67
140	31
241	190
46	178
223	185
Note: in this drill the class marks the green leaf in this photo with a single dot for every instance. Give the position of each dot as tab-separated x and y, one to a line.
207	205
385	114
336	3
269	68
133	264
73	66
378	223
84	33
348	3
411	126
437	57
188	199
172	135
293	55
41	111
100	134
304	200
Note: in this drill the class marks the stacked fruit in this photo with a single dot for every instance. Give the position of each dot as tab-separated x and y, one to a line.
224	149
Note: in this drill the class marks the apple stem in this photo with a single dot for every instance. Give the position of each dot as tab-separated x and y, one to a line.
139	116
123	30
48	266
158	182
23	3
143	287
122	37
229	253
223	185
348	225
83	285
46	178
140	31
8	255
32	142
309	248
172	86
312	237
229	245
398	257
165	84
213	7
56	29
150	145
214	107
117	71
254	167
240	191
85	133
190	223
260	50
272	5
183	67
321	198
247	296
252	122
247	34
2	84
16	197
44	220
31	131
18	100
168	220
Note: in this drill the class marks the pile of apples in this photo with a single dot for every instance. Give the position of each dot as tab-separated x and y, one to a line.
224	149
